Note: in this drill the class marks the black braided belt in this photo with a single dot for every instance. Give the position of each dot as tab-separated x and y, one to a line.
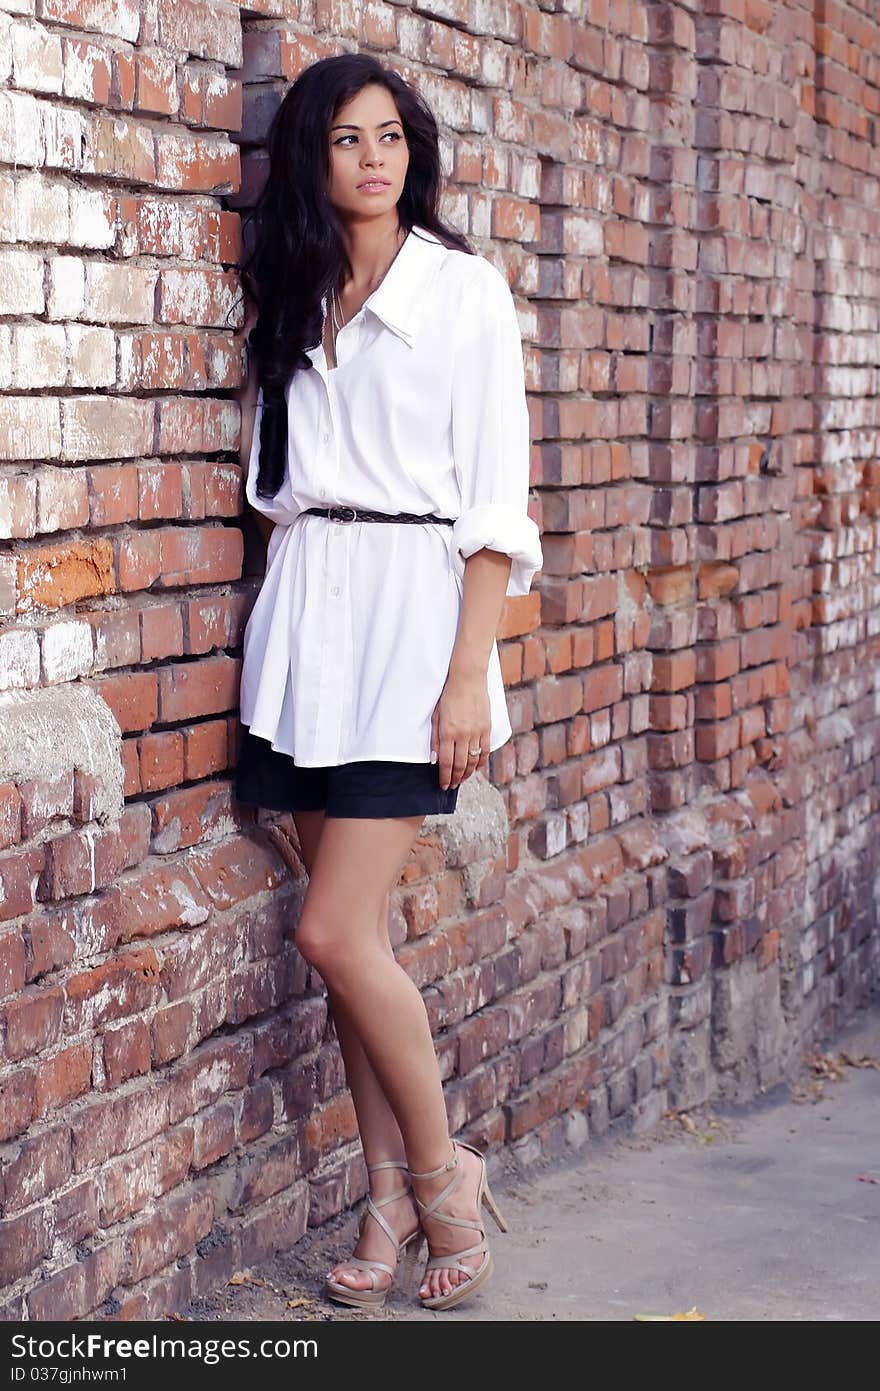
344	513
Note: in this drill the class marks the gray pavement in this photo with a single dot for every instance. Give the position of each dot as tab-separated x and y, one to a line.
758	1212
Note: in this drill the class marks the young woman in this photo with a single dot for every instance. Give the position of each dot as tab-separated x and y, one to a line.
386	439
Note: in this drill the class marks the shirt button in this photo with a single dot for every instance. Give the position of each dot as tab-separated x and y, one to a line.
323	492
325	438
335	590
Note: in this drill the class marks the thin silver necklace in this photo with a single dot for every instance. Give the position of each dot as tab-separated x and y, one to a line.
334	300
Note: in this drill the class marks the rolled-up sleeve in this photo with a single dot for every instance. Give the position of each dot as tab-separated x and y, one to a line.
490	432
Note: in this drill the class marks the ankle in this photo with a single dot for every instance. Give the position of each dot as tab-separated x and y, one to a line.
387	1179
431	1172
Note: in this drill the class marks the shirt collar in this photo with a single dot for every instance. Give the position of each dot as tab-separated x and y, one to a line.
400	299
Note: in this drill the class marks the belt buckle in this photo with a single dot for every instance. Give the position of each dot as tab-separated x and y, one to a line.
333	513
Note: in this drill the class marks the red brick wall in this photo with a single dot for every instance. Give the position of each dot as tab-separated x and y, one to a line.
684	197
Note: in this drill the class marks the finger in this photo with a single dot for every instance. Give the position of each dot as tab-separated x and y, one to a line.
447	754
473	761
434	736
484	745
460	761
456	761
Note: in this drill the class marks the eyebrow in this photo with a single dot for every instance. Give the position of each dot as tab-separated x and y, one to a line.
393	122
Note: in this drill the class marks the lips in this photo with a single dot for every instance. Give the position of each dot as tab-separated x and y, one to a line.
386	183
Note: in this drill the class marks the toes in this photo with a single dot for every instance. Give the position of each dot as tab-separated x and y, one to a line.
442	1282
355	1279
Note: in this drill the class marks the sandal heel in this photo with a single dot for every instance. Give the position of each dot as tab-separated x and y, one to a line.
409	1260
490	1203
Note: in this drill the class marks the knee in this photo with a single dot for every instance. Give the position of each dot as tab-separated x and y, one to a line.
310	940
331	948
318	942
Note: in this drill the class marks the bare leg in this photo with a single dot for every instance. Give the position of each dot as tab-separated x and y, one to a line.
379	1131
357	863
380	1138
377	1122
384	1025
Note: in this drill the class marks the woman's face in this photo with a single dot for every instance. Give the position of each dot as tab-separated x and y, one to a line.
367	143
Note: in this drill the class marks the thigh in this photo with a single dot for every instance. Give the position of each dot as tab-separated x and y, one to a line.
309	830
358	862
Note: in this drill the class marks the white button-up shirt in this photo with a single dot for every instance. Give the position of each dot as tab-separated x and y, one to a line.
347	647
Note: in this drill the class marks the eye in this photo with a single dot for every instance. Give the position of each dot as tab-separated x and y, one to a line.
394	135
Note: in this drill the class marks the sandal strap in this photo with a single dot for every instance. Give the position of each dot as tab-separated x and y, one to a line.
373	1210
454	1261
473	1223
432	1173
373	1205
388	1164
362	1264
389	1197
429	1207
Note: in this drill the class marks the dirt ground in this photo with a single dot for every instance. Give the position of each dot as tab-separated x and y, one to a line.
767	1211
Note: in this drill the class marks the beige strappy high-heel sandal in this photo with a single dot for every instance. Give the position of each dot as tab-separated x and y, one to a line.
455	1260
407	1251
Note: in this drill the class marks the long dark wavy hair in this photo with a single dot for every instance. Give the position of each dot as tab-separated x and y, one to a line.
296	251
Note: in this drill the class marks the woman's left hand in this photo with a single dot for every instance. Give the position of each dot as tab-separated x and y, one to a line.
461	722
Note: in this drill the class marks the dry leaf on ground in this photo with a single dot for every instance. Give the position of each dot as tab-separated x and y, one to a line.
863	1060
244	1277
826	1065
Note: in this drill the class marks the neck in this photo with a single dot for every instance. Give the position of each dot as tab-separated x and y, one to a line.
371	247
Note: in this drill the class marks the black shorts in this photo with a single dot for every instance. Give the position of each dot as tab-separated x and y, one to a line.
373	787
